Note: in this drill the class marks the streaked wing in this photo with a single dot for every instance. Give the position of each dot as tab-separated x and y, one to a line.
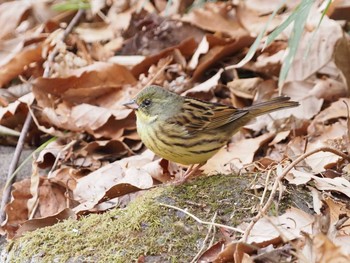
198	115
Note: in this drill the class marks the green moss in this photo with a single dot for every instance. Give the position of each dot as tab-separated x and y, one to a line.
144	228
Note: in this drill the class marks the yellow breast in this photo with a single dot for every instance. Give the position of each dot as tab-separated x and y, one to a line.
173	143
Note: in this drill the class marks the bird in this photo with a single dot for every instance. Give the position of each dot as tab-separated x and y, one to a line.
190	131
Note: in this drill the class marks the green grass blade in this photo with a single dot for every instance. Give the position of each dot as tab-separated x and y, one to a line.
257	41
72	5
294	40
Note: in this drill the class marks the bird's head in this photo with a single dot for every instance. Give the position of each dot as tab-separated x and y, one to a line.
154	101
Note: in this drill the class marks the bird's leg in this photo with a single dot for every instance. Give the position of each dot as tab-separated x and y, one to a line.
191	170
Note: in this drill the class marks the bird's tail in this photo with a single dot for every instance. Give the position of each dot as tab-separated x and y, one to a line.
274	104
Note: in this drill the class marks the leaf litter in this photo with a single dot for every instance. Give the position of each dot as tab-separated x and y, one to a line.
103	64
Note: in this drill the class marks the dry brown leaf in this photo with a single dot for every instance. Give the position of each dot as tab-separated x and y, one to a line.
84	84
325	251
98	121
234	252
51	200
339	10
11	14
216	17
219	49
201	90
321	48
280	136
239	251
338	209
253	15
211	253
270	60
36	223
288	226
113	180
14	45
245	88
236	155
15	113
94	32
66	177
335	111
162	170
202	48
337	184
332	136
19	63
186	47
341	52
149	34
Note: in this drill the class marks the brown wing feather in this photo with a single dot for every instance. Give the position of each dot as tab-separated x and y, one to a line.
198	115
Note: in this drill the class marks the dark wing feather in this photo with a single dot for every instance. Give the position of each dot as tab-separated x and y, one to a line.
199	115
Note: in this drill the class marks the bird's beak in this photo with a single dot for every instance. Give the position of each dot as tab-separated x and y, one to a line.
131	105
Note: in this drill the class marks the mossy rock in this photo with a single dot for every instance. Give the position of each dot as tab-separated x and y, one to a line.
145	228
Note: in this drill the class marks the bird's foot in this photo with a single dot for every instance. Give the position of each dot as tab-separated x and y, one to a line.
190	172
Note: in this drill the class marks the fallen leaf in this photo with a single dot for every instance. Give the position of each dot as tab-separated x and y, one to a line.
186	47
321	48
111	180
36	223
51	200
84	84
216	17
341	52
202	48
290	225
325	251
330	136
221	49
94	32
237	154
18	64
204	87
244	88
11	14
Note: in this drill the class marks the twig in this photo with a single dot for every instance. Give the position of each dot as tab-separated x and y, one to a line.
153	79
17	154
205	240
266	187
201	221
19	147
65	148
66	32
279	180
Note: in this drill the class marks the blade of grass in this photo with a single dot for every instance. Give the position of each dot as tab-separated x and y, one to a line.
302	13
72	5
257	41
318	25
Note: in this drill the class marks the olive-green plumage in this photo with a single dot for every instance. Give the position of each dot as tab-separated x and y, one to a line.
190	131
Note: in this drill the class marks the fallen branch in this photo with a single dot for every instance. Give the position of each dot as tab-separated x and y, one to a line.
201	221
279	179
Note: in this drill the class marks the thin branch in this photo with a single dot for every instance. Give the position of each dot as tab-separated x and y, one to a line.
21	140
66	32
201	221
19	147
205	240
279	179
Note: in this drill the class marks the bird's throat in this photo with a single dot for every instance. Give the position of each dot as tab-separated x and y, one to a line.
145	119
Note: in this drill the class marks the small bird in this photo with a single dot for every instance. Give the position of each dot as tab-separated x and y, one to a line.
190	131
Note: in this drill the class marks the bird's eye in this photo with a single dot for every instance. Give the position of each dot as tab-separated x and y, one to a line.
146	102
